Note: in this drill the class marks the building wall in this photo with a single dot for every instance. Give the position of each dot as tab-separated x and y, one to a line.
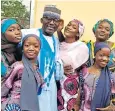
88	11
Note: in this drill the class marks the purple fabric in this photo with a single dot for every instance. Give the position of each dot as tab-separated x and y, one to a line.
99	46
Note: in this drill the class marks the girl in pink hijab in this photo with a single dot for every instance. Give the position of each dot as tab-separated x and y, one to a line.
74	54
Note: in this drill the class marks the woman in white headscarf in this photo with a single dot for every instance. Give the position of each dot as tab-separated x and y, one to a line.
74	54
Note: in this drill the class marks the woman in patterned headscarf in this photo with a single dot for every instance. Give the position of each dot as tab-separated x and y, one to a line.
72	56
103	30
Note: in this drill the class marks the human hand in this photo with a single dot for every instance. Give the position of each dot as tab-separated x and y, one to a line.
61	25
75	108
108	108
17	71
68	69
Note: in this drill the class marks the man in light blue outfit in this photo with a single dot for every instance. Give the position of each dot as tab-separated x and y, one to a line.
47	95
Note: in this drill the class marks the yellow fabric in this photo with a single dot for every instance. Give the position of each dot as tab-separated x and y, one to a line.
113	46
92	47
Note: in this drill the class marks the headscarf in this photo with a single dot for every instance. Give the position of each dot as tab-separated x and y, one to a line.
29	84
29	35
99	46
102	93
81	27
8	48
106	20
6	24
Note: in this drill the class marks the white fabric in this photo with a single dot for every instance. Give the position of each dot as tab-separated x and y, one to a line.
48	97
74	54
29	31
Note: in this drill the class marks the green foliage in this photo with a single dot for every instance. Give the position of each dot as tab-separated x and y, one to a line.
15	9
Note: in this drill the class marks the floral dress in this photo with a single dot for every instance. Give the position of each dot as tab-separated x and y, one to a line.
91	81
68	90
11	87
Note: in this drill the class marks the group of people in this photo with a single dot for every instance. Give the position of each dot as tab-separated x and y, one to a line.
41	72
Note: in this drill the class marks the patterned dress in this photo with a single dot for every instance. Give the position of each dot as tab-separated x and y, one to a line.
68	91
91	81
71	54
11	87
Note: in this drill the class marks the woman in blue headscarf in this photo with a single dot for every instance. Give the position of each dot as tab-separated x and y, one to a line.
99	82
10	37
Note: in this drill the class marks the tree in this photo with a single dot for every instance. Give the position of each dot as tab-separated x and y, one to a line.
15	9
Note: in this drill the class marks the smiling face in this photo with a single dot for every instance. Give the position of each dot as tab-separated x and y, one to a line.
49	25
71	30
103	31
31	48
13	33
102	57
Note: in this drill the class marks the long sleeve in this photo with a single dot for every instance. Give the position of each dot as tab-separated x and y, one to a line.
4	88
60	36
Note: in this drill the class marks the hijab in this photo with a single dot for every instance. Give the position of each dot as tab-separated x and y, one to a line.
102	93
106	20
8	49
30	83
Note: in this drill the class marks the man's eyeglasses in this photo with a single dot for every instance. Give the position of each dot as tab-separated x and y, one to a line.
48	19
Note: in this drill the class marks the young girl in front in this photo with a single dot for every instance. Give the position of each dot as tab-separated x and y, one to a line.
99	82
19	90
